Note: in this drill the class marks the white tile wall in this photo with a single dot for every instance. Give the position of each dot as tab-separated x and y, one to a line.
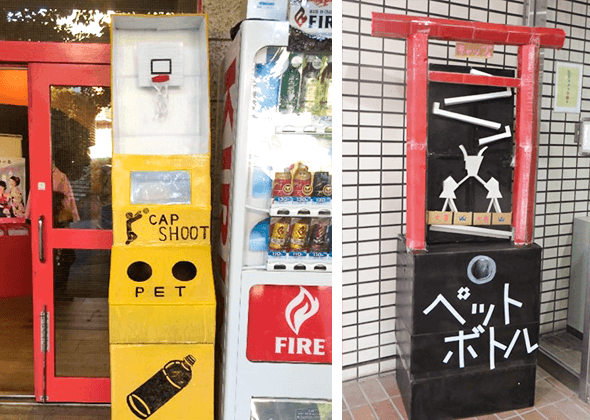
374	164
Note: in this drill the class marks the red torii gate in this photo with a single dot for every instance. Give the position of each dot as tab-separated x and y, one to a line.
417	31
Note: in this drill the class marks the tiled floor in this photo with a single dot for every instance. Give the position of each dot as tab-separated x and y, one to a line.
379	399
564	347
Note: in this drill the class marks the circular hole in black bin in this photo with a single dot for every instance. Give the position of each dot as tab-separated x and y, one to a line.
481	269
139	271
184	271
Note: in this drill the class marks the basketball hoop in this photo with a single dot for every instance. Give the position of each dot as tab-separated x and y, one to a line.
160	83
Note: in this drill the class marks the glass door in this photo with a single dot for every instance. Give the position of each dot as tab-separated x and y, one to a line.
71	219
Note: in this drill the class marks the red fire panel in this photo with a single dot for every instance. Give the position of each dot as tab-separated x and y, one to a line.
290	324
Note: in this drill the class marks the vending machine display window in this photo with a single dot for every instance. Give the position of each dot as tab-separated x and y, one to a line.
290	162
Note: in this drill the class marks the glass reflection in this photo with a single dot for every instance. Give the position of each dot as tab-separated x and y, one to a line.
81	149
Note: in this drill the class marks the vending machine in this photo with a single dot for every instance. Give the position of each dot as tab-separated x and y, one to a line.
276	246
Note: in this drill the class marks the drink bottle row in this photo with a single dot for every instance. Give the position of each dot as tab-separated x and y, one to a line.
298	237
297	183
305	84
294	83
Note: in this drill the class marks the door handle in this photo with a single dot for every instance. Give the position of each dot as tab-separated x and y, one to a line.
41	253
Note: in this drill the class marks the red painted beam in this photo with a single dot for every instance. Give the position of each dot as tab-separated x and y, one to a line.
472	79
402	26
525	137
417	103
54	52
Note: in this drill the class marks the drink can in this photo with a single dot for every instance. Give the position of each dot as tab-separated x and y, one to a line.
321	184
282	185
302	186
299	233
318	241
279	234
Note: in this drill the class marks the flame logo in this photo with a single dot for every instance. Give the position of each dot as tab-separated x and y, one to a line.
300	309
300	17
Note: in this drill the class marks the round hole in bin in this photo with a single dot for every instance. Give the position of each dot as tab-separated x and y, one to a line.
481	269
184	271
139	271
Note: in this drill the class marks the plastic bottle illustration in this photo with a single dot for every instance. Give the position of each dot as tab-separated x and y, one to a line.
160	388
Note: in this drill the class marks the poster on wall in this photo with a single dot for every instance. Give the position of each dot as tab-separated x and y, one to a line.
568	87
12	187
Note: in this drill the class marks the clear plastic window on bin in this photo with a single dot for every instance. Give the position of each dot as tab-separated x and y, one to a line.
165	187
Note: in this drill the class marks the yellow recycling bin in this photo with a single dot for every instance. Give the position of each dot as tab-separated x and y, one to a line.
161	292
161	306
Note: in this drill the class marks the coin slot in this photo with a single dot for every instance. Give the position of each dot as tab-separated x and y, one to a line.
299	267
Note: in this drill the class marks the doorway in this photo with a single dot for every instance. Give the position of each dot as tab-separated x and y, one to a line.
54	320
71	220
565	352
16	302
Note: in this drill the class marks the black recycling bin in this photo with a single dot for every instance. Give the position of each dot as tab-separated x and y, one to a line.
467	328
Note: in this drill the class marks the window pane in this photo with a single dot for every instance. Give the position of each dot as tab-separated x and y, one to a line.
81	151
81	284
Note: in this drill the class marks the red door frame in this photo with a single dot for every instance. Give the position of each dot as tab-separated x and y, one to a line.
78	56
41	77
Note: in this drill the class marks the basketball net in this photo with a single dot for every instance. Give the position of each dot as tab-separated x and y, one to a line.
160	83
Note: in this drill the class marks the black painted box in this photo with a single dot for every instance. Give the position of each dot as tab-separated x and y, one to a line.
467	328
